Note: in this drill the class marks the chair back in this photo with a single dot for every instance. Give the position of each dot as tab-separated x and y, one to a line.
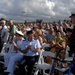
47	53
7	48
45	46
40	57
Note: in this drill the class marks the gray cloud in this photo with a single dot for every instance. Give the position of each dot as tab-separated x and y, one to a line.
49	10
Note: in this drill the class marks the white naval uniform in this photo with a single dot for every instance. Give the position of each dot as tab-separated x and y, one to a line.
10	59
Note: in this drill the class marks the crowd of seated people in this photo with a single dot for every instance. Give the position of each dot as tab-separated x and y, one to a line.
28	40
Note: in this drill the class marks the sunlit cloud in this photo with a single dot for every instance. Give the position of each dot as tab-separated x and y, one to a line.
20	10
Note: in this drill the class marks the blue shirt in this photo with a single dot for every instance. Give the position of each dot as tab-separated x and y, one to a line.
49	37
34	45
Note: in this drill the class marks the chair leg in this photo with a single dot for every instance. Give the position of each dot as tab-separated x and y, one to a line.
36	72
39	72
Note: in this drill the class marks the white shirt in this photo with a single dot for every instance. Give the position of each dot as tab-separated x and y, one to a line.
5	30
19	44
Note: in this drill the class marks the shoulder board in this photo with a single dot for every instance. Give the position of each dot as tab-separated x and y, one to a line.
24	40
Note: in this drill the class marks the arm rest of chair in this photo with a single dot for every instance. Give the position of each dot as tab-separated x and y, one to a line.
2	54
61	69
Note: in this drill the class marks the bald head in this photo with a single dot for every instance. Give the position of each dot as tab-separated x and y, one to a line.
10	22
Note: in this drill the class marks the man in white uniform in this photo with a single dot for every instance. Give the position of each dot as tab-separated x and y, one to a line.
10	59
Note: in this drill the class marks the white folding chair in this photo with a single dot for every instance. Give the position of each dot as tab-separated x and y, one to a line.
44	45
7	48
62	70
68	59
38	62
43	65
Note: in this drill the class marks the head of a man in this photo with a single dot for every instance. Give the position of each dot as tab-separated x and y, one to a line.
30	35
3	22
19	35
72	18
51	31
69	32
10	22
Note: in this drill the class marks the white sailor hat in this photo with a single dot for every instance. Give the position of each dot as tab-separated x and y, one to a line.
19	33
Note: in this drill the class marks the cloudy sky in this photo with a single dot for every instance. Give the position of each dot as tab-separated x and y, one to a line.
30	10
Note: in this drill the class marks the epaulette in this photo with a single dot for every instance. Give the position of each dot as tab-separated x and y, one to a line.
24	40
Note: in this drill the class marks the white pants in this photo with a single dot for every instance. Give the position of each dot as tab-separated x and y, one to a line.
10	61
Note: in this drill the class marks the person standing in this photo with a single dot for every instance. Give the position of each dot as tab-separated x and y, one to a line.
0	37
72	38
4	33
12	31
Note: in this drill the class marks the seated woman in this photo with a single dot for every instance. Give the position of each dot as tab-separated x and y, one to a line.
38	35
58	45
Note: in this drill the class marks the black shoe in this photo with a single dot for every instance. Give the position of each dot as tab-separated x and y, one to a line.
4	68
5	73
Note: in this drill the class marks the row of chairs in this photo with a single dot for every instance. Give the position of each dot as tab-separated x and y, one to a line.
41	65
